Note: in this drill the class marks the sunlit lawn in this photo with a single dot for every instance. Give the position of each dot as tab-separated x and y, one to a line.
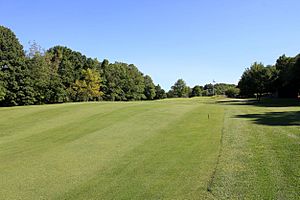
165	149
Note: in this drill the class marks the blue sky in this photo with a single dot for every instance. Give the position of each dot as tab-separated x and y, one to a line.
168	39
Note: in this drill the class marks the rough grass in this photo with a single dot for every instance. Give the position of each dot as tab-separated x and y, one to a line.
260	157
151	150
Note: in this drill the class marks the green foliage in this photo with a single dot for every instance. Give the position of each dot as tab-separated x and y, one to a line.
255	80
208	90
197	91
133	84
10	48
179	89
159	93
16	85
296	72
206	93
67	67
170	94
68	64
149	91
40	73
56	92
216	89
2	86
19	85
282	79
61	74
221	88
287	82
88	88
122	82
232	92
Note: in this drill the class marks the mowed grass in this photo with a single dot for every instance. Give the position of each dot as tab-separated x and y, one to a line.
166	149
260	156
129	150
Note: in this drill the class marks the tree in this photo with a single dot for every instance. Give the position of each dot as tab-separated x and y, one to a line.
254	79
180	89
112	75
39	72
56	91
104	71
2	87
221	88
15	76
149	91
281	80
286	83
122	82
197	91
133	84
232	92
271	77
68	64
208	90
160	93
88	88
296	73
170	94
61	74
93	81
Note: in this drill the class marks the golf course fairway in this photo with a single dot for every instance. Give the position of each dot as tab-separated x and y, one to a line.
199	148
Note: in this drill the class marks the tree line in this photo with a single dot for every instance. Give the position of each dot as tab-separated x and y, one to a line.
62	75
279	80
180	89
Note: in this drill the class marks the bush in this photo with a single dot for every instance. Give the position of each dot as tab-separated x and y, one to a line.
232	92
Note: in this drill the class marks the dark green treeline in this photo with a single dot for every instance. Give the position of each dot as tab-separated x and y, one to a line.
279	80
63	75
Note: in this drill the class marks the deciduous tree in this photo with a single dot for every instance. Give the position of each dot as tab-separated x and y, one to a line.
180	89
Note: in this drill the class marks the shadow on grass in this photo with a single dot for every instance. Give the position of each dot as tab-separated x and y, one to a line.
290	118
265	102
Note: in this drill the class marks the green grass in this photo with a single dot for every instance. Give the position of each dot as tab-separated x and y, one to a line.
260	157
165	149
